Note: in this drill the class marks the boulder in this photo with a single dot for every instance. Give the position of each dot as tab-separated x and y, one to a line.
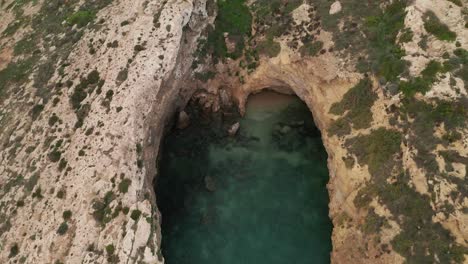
183	121
285	130
234	129
335	8
210	184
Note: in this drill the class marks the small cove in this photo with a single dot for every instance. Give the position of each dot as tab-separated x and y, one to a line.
257	198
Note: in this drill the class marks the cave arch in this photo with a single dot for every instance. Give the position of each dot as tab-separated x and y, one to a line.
210	182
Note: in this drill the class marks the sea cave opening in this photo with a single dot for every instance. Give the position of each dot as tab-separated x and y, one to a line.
253	195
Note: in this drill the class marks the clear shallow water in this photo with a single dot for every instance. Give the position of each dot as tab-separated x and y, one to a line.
258	198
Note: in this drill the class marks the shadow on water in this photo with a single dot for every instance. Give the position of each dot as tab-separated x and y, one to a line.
257	198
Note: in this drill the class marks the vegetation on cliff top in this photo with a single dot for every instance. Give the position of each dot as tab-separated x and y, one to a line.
380	150
356	107
433	25
234	18
375	149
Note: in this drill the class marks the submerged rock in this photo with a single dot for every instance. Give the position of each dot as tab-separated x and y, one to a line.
210	184
297	123
234	129
183	121
285	129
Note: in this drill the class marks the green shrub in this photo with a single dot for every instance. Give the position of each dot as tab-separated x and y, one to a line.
111	257
457	2
81	91
373	223
124	184
61	194
423	42
79	94
433	25
311	49
67	215
109	95
122	76
406	35
452	114
63	228
269	48
135	215
89	131
16	72
375	149
291	5
55	155
13	27
138	48
31	183
93	77
413	86
382	31
339	127
14	250
425	116
53	119
462	54
140	163
139	148
358	95
27	45
358	102
420	239
62	164
38	193
36	111
81	18
422	84
113	44
102	211
234	18
110	249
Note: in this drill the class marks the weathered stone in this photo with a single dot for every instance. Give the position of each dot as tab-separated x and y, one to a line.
225	98
234	129
210	184
335	8
183	121
285	129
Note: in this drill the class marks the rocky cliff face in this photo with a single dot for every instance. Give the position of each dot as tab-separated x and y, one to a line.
77	164
87	89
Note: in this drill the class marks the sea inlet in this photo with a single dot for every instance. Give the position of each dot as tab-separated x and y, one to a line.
258	197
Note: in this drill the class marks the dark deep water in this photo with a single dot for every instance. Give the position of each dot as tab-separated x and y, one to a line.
257	198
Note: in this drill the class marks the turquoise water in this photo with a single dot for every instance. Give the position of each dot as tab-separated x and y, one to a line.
257	198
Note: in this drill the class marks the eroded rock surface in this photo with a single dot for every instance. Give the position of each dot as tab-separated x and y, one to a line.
86	90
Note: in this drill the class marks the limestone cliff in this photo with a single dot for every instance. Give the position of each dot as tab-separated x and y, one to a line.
77	164
88	87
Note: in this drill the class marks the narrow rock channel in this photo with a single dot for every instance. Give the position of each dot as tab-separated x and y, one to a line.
255	196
